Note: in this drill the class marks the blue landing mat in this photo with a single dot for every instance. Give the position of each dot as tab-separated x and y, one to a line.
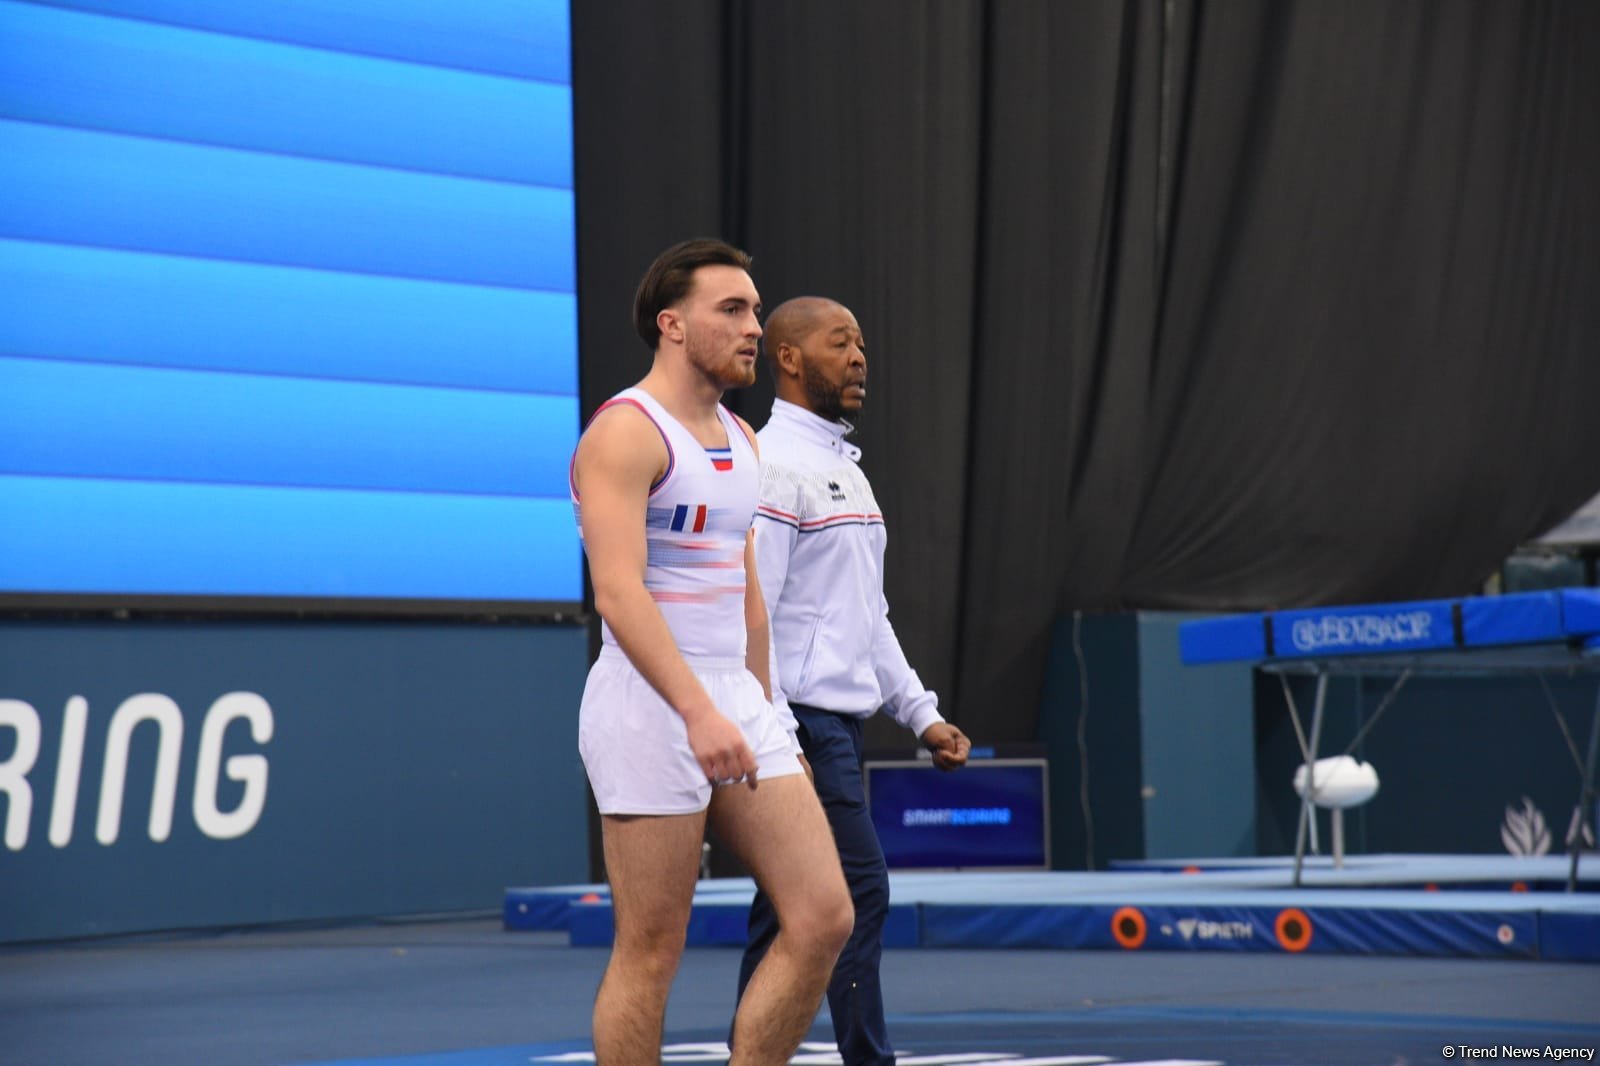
1247	907
1510	873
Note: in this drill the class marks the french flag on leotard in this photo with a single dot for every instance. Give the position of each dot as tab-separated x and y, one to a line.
721	458
686	519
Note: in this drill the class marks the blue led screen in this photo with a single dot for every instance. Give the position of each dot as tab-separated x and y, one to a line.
992	814
287	301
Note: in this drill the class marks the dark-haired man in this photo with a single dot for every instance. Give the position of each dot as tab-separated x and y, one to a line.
819	549
677	727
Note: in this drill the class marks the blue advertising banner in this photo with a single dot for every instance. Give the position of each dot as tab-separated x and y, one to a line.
166	775
1416	626
1550	617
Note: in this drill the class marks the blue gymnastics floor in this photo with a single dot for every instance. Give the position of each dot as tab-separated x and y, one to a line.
1120	1037
470	993
1441	906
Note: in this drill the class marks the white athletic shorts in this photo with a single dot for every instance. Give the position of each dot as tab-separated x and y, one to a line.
635	746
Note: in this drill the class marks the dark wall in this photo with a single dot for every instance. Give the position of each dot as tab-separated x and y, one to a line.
1220	306
1089	725
1149	758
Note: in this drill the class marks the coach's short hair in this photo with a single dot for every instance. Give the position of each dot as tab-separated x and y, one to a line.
671	276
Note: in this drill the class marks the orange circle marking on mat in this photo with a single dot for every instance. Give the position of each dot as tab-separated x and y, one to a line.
1519	886
1430	887
589	897
1191	869
1293	929
1128	927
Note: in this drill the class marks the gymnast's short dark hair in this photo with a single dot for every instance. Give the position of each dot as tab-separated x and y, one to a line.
671	276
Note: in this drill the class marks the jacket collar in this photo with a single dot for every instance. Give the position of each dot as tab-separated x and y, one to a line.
814	428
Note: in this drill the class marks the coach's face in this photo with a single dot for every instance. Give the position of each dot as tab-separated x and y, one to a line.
833	364
721	325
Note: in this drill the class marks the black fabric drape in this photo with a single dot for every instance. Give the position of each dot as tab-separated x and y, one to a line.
1168	304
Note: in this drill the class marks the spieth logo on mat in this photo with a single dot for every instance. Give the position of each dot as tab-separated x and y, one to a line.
1361	630
249	770
1198	928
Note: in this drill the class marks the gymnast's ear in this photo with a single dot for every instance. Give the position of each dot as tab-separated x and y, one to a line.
670	323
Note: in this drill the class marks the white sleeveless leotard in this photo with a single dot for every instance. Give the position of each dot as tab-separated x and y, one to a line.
696	522
634	746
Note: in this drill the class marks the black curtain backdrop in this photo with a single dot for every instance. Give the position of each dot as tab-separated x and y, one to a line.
1168	304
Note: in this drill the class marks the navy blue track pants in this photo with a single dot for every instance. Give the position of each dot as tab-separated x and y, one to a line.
832	745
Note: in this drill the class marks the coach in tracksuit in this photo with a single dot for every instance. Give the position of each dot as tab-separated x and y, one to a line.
819	550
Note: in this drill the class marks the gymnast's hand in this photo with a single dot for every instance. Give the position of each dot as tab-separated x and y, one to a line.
720	749
949	745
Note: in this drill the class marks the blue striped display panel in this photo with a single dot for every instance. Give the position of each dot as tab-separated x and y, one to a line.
95	73
132	537
111	190
280	431
287	301
160	310
109	74
521	38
